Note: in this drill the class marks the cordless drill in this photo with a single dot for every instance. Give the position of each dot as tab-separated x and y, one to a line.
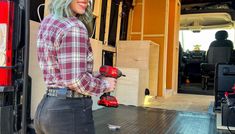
106	99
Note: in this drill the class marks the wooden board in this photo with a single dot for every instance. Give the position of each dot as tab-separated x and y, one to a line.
133	54
38	84
97	12
46	9
97	53
153	69
107	22
119	22
130	89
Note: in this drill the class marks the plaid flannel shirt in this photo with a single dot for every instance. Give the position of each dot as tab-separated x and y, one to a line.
65	56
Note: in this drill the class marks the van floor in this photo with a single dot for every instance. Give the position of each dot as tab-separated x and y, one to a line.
178	114
183	102
195	88
140	120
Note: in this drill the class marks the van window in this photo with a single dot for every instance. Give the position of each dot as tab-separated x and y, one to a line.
189	40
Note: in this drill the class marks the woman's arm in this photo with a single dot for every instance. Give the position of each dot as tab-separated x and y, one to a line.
72	58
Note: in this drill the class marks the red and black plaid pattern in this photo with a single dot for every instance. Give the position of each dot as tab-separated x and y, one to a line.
65	56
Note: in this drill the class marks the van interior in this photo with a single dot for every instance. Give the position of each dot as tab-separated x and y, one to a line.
193	104
198	28
178	57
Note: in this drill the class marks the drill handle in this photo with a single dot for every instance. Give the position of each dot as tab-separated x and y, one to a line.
228	100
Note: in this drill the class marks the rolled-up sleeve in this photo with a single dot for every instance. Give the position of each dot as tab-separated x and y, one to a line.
72	56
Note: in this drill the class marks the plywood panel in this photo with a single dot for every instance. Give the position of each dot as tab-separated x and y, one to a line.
154	16
135	37
97	53
154	26
38	85
153	68
127	86
138	1
119	22
130	89
97	12
107	23
162	64
143	55
170	45
137	14
133	54
46	9
144	83
176	50
173	44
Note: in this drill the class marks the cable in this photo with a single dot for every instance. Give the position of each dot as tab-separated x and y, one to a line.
39	16
227	123
25	95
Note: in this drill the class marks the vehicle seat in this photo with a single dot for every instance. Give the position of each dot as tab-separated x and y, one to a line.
219	51
181	65
193	69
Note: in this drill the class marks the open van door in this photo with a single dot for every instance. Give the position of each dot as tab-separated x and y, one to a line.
14	38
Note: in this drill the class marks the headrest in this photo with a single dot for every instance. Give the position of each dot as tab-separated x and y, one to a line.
221	35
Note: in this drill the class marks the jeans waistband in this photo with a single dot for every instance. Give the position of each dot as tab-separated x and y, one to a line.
65	93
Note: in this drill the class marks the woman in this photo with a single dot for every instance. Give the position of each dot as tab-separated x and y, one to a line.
66	60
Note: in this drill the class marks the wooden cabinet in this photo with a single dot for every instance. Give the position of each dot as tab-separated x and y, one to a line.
143	55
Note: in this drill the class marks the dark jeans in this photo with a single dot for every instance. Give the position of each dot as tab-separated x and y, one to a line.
64	116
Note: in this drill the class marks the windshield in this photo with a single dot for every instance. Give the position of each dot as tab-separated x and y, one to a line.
201	40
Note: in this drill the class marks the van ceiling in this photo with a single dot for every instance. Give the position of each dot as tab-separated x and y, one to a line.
207	14
205	6
197	22
183	2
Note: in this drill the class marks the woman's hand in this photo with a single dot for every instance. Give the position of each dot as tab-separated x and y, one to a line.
112	83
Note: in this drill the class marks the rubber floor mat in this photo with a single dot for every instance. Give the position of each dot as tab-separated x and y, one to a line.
139	120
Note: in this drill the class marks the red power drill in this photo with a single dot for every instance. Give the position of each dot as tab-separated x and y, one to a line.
228	100
106	99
